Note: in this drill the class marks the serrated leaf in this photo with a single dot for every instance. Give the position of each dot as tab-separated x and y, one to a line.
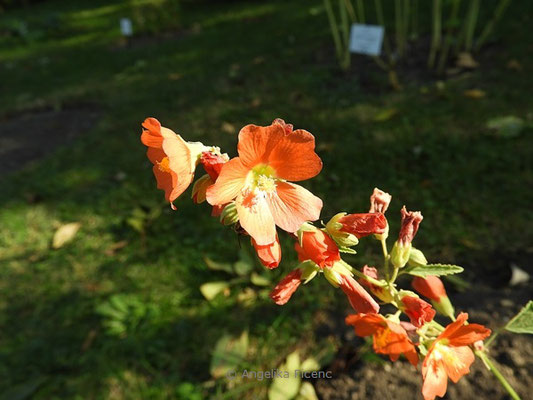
64	234
218	266
433	269
347	250
211	289
523	321
259	280
307	392
229	353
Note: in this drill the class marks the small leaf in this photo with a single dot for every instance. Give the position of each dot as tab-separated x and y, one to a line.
307	392
64	234
310	364
433	269
211	289
523	321
218	266
508	126
229	353
284	387
24	390
293	361
259	280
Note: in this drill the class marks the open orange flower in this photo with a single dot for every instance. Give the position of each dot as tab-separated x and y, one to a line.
389	337
257	180
450	356
174	159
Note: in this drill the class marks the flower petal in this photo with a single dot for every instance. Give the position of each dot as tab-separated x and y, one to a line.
292	205
458	363
435	379
255	217
151	135
257	142
229	183
179	156
294	158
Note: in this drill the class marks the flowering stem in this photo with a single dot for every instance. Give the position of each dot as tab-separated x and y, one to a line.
488	362
373	281
385	256
394	275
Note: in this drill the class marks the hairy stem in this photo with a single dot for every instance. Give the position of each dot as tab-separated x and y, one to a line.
492	367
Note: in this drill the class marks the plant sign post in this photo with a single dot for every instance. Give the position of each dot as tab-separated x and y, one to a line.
256	194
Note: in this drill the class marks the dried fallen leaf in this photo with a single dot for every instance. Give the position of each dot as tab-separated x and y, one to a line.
112	250
465	60
228	128
174	76
474	93
64	234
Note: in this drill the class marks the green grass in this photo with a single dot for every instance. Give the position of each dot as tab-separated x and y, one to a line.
236	63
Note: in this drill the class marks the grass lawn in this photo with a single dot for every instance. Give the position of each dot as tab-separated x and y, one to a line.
117	313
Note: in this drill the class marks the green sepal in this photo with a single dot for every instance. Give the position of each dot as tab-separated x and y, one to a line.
309	271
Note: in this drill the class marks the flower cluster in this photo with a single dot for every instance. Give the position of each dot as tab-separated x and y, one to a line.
254	192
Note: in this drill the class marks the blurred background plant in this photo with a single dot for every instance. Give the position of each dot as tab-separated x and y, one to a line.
456	31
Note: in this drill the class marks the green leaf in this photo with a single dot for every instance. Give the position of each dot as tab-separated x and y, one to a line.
211	289
385	114
433	269
218	266
307	392
508	126
310	365
64	234
259	280
229	353
347	250
286	388
523	321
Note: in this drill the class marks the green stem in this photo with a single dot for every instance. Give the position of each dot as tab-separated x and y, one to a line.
373	281
350	10
381	21
449	36
345	28
398	25
334	31
361	11
437	32
385	257
473	13
488	362
394	275
500	9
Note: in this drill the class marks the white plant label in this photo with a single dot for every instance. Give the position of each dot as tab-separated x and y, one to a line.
126	27
366	39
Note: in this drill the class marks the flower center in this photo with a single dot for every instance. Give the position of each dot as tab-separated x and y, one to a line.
163	165
264	178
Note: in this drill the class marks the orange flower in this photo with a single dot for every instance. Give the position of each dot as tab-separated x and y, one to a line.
174	159
270	254
449	356
212	162
418	311
430	287
318	247
389	337
358	297
268	158
286	287
364	224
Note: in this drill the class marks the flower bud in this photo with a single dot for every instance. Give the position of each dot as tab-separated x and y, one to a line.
380	292
416	258
433	288
270	254
399	254
358	297
213	162
229	215
283	291
317	246
343	239
365	224
418	311
379	201
410	222
200	187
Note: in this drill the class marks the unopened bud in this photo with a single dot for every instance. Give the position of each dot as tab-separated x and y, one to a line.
343	239
229	215
416	258
400	254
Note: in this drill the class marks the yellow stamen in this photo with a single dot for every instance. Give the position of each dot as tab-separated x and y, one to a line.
163	165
